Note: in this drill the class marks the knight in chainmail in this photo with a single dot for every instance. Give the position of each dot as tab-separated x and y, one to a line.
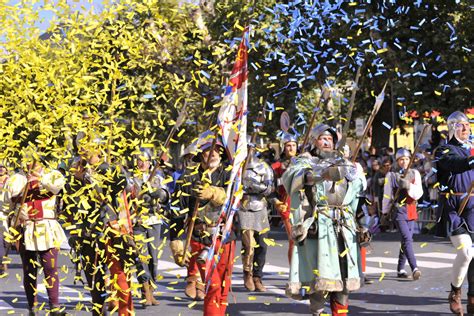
253	220
325	261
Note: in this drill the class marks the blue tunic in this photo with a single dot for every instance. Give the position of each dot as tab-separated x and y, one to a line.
454	176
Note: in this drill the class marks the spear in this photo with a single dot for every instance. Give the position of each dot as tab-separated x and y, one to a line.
375	110
345	130
325	95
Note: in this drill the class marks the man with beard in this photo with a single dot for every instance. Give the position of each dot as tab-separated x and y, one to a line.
455	164
325	259
207	184
282	204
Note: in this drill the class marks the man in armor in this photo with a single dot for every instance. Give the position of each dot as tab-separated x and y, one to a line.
207	184
289	150
149	195
253	221
41	233
324	190
455	164
403	187
193	287
102	235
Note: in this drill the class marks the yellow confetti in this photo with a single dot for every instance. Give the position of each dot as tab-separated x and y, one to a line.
382	276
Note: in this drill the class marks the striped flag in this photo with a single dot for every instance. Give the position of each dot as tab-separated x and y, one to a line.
232	121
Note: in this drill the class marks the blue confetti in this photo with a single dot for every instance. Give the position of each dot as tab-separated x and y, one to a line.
205	74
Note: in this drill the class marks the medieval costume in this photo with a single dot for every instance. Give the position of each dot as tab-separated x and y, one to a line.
289	145
102	235
253	221
401	191
455	164
323	191
207	184
149	195
41	233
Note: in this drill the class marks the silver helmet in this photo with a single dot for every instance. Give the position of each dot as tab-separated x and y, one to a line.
402	152
287	138
453	119
144	153
322	129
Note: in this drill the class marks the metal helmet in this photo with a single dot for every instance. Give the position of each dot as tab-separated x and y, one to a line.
402	152
324	129
288	138
191	149
453	119
88	141
144	153
204	142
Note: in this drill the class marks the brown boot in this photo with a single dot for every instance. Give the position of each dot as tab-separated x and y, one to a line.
259	287
454	299
470	304
200	292
111	305
147	291
153	300
248	281
190	289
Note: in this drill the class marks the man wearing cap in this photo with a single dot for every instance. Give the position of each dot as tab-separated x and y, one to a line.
253	220
149	195
455	164
207	184
282	204
403	187
324	189
41	233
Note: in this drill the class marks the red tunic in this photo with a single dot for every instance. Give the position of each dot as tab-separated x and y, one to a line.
279	168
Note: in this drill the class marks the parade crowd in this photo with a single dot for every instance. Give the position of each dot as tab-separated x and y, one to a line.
329	201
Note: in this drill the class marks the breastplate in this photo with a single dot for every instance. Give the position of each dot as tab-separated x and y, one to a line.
335	191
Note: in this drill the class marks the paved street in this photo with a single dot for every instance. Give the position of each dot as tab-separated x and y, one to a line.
388	295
